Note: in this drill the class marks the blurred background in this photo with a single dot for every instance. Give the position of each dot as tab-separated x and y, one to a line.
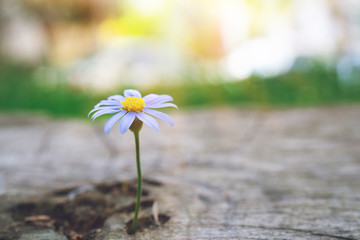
250	155
63	56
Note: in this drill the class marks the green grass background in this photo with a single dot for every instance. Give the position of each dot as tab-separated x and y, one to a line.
21	89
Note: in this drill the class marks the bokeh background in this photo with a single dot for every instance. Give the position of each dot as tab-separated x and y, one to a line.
63	56
266	138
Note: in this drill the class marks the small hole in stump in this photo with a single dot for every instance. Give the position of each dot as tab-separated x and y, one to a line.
146	222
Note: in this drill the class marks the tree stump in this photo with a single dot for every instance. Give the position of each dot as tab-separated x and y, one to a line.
219	174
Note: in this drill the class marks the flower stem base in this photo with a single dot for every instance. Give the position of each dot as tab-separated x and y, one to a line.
135	128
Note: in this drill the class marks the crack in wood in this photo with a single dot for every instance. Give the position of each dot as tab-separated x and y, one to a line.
303	231
312	232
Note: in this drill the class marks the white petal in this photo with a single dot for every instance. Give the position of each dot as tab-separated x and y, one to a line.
109	103
161	115
157	99
150	121
104	111
116	97
161	105
113	120
132	93
126	122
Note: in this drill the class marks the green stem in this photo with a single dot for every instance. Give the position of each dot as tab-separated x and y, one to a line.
138	194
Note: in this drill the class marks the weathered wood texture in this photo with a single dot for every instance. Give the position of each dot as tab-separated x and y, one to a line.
228	173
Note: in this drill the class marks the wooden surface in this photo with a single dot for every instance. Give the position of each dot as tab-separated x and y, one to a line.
226	173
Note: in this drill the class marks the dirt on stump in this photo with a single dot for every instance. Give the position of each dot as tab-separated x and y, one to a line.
80	212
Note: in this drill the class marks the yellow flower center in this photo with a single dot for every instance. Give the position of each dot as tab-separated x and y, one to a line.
133	104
